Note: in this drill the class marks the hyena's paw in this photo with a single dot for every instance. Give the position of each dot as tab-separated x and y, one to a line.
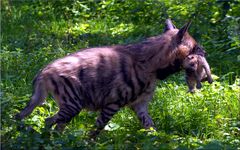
210	80
49	122
191	91
199	85
93	134
60	127
17	116
20	126
146	121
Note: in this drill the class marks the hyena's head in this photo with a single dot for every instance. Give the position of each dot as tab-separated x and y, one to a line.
182	43
188	52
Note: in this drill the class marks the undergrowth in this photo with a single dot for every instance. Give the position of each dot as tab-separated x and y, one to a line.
34	33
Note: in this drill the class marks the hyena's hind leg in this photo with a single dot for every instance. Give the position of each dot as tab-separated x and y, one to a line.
38	97
66	112
63	116
68	98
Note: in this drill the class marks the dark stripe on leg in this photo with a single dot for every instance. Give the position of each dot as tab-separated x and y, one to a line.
69	84
66	80
122	99
143	119
141	114
109	112
55	86
140	82
73	109
127	77
71	99
105	118
110	109
88	101
113	103
66	115
99	121
64	99
61	115
65	112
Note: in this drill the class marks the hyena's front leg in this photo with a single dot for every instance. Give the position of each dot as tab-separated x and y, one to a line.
141	109
106	114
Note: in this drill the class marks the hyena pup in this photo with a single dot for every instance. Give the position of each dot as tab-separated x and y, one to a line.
197	70
107	78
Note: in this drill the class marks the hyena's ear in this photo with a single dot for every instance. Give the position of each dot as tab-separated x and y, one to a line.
169	25
182	31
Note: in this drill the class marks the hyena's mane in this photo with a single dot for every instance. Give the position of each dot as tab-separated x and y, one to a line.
163	55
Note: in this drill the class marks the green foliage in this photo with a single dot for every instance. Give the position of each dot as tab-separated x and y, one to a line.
33	33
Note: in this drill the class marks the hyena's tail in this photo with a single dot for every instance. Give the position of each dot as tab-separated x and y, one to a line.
38	97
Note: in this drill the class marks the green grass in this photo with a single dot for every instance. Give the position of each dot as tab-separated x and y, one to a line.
34	34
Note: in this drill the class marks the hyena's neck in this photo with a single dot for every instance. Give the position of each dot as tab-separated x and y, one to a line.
163	73
157	55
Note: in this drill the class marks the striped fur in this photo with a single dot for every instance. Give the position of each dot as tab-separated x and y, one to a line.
107	78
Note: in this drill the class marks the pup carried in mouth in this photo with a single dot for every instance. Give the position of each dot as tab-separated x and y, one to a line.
197	70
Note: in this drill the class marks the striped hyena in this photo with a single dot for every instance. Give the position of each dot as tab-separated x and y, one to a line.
197	70
107	78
